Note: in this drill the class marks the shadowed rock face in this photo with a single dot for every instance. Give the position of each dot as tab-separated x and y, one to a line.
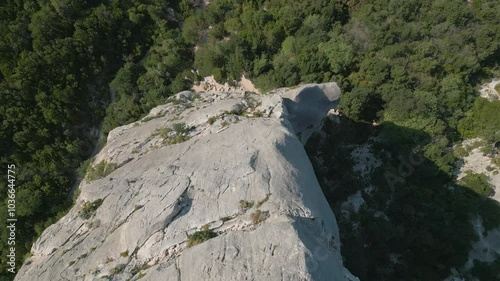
308	105
243	178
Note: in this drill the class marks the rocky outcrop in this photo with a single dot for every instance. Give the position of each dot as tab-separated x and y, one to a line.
489	90
206	187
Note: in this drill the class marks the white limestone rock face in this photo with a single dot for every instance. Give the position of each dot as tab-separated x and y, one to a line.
242	177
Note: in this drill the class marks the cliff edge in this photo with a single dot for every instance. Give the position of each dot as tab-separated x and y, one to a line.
206	187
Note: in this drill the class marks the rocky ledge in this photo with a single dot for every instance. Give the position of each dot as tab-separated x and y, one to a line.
206	187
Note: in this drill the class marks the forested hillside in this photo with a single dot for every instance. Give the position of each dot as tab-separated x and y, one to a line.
57	59
410	65
412	68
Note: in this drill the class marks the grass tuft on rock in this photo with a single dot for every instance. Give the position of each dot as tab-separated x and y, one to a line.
117	269
178	133
212	119
259	203
225	219
245	205
89	208
258	216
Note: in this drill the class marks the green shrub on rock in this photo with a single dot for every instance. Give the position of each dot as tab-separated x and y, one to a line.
101	170
89	208
200	237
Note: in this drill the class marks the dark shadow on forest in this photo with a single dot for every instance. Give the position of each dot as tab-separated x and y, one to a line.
416	213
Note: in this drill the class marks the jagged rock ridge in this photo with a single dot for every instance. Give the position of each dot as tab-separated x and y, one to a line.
206	187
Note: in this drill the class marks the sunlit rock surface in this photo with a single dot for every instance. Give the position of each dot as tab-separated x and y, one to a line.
236	170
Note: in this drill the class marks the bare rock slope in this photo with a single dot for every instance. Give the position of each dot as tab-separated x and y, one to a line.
207	187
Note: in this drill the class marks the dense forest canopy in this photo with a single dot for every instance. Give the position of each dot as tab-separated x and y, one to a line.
68	66
58	58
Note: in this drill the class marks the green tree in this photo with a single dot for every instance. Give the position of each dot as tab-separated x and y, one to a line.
361	105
